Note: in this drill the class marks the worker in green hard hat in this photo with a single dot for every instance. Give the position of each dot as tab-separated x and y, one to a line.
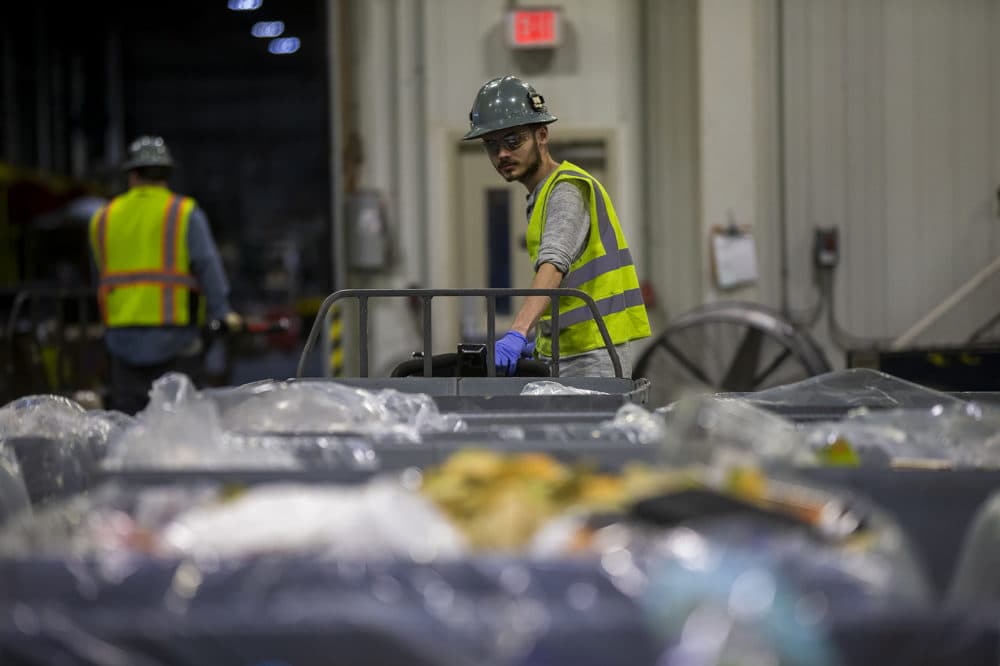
574	239
159	278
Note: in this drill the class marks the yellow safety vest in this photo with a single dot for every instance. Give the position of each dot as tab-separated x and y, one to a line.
604	270
139	241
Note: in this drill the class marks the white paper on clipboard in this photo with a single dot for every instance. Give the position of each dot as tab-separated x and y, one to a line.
735	259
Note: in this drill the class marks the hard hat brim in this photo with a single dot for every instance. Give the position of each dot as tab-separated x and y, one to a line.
508	123
140	162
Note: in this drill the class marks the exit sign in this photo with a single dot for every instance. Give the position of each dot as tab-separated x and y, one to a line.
534	28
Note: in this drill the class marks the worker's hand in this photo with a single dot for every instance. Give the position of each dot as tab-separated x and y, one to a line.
529	350
234	322
508	350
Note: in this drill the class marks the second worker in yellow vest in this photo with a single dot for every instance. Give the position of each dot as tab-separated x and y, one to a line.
574	239
158	272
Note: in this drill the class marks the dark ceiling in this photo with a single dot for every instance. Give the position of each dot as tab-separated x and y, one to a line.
248	128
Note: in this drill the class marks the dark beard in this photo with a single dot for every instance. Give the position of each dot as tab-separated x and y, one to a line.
530	169
533	166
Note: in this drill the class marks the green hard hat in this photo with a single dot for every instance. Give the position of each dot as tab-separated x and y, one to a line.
148	151
506	102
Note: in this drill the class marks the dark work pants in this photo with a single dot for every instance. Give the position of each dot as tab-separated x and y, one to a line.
130	384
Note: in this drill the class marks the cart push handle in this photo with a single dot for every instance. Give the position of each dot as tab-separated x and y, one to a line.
362	296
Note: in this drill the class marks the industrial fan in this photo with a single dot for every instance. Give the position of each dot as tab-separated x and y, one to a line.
727	347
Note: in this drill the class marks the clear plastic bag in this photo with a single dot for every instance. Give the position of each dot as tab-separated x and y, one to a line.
58	444
328	407
716	430
762	584
13	492
181	429
960	434
853	387
976	581
744	593
555	388
110	521
636	424
59	418
380	519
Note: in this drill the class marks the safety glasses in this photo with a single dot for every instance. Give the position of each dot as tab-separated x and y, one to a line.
511	142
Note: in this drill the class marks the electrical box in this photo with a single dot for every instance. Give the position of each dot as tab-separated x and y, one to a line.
367	230
826	247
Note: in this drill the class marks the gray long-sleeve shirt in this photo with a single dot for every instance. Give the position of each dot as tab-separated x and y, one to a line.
147	345
567	224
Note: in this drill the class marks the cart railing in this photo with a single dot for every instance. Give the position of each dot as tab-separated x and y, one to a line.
426	296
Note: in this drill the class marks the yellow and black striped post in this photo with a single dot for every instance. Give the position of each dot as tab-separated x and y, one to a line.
336	346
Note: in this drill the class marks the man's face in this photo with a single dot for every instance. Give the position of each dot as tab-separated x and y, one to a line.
513	152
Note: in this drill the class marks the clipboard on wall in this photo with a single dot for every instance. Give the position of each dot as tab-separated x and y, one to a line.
733	256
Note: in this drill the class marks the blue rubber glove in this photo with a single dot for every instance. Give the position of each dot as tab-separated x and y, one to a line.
529	350
508	350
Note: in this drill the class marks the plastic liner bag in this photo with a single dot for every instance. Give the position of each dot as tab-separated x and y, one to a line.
758	597
716	586
958	435
716	430
635	424
846	389
976	582
13	492
714	560
58	444
110	522
377	520
555	388
311	612
380	519
814	528
181	429
59	418
328	407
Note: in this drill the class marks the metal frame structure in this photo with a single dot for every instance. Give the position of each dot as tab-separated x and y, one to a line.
426	295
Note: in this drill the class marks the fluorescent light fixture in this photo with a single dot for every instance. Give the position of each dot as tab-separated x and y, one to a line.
284	45
244	5
267	28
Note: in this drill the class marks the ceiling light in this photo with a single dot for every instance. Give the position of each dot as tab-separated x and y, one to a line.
244	5
267	28
284	45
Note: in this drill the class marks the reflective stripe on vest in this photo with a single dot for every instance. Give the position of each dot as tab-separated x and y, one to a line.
102	237
169	257
606	306
148	277
101	257
614	257
609	277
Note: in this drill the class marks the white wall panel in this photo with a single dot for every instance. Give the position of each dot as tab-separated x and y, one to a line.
901	126
767	150
727	114
993	107
864	169
891	134
672	166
